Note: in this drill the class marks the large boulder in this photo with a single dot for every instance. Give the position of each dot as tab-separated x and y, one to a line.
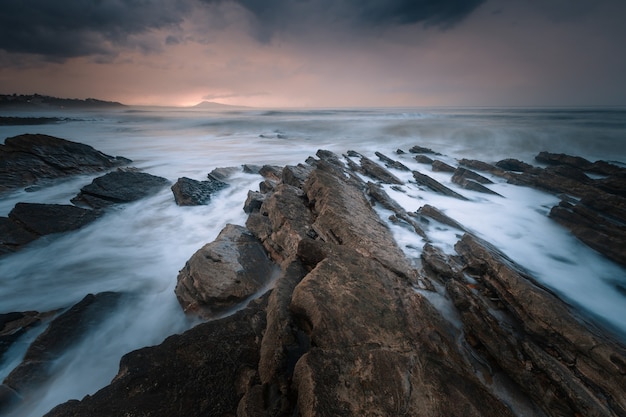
121	186
27	159
190	192
223	273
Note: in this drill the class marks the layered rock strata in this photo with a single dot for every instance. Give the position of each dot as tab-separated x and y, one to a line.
349	327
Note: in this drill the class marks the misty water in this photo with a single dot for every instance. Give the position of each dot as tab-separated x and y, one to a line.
137	249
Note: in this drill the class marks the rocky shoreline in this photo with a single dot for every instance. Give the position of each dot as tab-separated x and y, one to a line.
349	326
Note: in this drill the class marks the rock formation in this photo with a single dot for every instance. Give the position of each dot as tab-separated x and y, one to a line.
189	192
349	327
121	186
28	159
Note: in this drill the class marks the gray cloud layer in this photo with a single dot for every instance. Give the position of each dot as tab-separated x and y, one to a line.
81	27
59	30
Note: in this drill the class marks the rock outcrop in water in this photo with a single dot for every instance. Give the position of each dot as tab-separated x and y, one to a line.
29	159
120	186
350	328
190	192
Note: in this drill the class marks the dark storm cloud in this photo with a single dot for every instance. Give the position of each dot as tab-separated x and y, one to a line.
286	15
69	28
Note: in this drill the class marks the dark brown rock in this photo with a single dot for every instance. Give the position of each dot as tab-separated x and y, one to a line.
296	175
189	192
121	186
271	172
566	366
483	166
598	232
223	273
253	202
391	163
375	171
440	166
423	159
463	173
421	149
378	194
436	214
44	219
202	372
27	159
514	165
436	186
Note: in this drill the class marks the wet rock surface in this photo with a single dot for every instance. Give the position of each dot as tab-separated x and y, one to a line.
190	192
350	326
63	332
121	186
223	273
30	158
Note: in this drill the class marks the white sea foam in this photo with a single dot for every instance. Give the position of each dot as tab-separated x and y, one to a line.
138	248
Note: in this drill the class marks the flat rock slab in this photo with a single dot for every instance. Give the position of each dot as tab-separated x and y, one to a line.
27	159
223	273
121	186
190	192
45	219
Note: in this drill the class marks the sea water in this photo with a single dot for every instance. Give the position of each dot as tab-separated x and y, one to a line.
137	249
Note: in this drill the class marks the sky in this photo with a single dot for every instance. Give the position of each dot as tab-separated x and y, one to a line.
317	53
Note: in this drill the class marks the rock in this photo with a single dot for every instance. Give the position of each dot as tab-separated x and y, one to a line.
202	372
14	325
344	217
400	151
289	220
472	181
514	165
436	214
121	186
382	361
189	192
44	219
440	166
483	166
253	202
463	173
378	194
63	332
296	175
222	174
392	163
375	171
271	172
423	159
563	159
251	169
425	180
595	230
420	149
27	159
13	236
223	273
565	366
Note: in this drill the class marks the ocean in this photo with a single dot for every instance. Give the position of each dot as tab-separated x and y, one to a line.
138	248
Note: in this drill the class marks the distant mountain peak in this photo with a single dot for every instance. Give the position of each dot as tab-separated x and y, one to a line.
213	105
